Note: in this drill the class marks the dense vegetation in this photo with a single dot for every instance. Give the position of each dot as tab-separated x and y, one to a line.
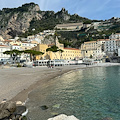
50	20
76	38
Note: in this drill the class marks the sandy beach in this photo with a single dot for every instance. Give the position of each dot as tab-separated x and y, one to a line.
17	83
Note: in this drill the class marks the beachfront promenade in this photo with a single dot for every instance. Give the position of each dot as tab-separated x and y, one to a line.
16	83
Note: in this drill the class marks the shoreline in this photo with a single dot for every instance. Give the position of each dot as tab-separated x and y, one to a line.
46	75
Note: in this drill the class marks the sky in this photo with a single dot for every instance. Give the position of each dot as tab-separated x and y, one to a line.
92	9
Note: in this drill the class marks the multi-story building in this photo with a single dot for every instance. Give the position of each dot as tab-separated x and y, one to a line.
67	54
110	46
69	26
118	47
42	48
27	45
71	53
4	57
115	36
89	49
15	47
7	42
93	49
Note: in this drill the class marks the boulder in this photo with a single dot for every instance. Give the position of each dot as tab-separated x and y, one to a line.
6	109
64	117
11	110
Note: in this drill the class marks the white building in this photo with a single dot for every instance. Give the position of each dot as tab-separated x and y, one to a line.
113	44
15	47
118	47
118	51
115	36
4	57
27	45
110	47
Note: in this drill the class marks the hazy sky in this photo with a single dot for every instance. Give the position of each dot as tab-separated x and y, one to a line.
92	9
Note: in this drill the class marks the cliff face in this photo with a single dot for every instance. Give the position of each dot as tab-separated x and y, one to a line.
63	14
17	20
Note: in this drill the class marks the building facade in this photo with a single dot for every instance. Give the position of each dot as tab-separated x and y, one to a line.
67	54
4	57
69	26
115	36
93	49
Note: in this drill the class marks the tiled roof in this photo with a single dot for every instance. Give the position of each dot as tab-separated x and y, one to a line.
4	46
51	44
117	40
7	40
15	45
24	42
107	39
90	42
117	33
103	39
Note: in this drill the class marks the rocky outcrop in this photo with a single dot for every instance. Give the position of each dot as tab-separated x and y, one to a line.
48	40
18	20
6	109
15	21
11	110
63	14
64	117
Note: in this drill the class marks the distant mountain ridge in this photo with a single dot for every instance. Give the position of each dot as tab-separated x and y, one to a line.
16	21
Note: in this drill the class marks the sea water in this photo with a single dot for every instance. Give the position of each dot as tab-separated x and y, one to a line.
88	94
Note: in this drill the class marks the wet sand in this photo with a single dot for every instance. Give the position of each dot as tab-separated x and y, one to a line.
17	83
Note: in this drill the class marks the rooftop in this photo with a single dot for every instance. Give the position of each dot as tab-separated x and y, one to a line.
103	39
4	46
90	42
7	40
15	45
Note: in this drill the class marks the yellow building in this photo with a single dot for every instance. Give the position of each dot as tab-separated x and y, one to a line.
71	53
67	54
42	48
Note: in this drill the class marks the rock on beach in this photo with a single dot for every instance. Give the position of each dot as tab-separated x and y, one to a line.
64	117
11	110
